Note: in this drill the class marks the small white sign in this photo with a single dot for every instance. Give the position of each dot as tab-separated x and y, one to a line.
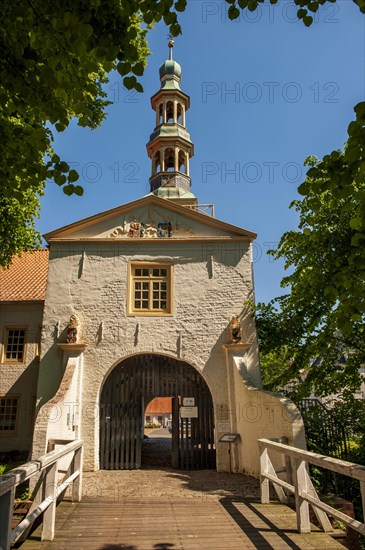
189	401
189	412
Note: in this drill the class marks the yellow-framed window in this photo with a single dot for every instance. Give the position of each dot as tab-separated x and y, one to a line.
150	289
14	345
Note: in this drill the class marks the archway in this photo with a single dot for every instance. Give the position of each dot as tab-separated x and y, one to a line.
126	392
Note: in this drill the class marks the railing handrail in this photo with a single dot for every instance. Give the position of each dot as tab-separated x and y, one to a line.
202	208
299	483
48	488
22	473
350	469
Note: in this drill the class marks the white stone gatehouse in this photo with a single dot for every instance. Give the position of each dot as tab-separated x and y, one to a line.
159	291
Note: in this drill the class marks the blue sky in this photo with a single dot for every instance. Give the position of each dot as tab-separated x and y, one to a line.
265	92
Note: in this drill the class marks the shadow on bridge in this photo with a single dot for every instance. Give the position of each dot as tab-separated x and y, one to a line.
255	524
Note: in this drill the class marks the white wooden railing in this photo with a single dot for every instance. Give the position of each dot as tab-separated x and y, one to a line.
46	493
299	483
202	208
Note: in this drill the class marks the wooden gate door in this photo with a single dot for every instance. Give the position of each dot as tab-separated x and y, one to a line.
130	386
121	421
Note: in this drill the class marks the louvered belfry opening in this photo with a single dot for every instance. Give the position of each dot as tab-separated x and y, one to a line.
129	388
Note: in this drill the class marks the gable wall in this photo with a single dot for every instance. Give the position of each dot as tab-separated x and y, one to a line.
211	282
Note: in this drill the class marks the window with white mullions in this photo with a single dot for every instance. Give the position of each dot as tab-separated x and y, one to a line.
151	289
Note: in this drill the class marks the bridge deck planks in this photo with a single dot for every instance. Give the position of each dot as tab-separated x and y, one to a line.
178	524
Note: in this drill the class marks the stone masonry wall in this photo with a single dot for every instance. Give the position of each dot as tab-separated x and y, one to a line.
20	380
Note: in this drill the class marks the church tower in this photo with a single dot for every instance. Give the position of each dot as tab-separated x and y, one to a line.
170	147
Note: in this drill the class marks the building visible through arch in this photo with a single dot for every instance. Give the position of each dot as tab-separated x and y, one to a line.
161	279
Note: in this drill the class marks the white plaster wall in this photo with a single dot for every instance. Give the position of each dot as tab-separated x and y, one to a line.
20	380
211	282
261	414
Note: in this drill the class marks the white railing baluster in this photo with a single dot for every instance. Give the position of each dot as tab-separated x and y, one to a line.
49	516
320	515
303	488
301	505
264	482
77	484
48	491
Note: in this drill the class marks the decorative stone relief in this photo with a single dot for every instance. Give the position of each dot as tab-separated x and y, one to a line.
151	229
235	330
72	330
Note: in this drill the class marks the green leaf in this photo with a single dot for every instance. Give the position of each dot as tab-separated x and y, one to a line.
313	6
123	68
73	176
308	20
357	223
78	190
129	82
86	31
233	12
180	5
358	240
60	127
360	110
60	179
331	292
64	167
138	69
148	17
303	188
69	189
252	5
175	29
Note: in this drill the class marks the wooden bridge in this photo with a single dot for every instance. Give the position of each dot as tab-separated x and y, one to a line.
169	509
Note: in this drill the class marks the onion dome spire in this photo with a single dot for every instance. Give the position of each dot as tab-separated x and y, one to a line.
170	147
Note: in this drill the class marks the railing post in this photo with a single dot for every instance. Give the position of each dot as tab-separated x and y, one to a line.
49	516
362	489
77	484
264	483
301	505
6	517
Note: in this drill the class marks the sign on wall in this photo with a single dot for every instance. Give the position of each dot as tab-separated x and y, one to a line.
189	401
189	412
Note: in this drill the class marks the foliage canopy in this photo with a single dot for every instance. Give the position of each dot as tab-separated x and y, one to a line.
56	58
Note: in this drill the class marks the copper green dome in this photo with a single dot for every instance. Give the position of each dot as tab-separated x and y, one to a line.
170	68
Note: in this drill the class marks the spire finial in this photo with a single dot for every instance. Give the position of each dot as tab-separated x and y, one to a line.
171	45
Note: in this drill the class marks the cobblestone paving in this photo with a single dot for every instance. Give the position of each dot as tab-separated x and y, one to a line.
118	485
156	452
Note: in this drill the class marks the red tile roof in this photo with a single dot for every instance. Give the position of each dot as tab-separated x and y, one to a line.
159	405
26	278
